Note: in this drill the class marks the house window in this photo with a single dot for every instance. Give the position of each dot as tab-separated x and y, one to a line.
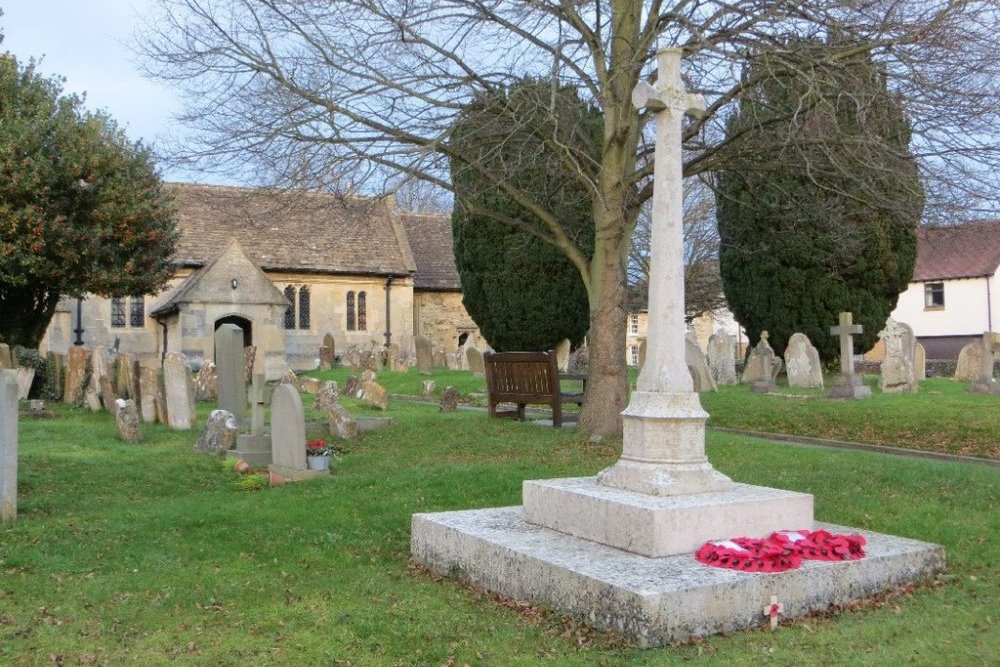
633	324
633	353
118	312
933	296
350	311
131	311
298	300
137	312
362	312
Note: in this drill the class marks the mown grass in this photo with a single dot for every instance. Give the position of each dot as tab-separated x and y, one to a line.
148	554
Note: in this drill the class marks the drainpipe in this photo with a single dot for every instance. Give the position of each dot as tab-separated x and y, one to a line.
163	354
388	312
79	321
989	306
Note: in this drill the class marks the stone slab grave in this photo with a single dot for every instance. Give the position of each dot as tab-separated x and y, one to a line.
8	444
255	447
230	367
847	384
288	436
76	369
617	549
178	390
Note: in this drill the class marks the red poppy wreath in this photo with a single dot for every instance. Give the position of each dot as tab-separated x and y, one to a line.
780	551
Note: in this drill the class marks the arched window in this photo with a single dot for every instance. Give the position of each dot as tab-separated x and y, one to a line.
304	307
350	311
290	311
362	312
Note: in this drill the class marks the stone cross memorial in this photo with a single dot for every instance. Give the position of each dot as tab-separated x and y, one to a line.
847	384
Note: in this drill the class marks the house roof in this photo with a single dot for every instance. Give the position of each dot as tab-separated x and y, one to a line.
431	240
968	250
291	231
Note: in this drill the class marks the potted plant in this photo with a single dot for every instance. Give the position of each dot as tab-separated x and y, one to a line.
318	454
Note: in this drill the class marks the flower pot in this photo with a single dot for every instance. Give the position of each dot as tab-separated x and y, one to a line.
318	462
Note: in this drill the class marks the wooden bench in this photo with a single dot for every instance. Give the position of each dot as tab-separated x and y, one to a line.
524	378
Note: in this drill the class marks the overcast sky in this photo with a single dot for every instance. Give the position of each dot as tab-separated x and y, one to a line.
86	41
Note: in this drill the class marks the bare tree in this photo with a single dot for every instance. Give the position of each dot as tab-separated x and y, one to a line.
351	94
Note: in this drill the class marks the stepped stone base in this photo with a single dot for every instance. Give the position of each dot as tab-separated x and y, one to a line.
254	449
650	601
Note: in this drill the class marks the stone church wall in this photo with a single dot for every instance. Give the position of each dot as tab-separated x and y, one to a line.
441	317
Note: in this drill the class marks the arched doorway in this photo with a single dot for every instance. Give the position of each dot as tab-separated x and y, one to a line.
242	322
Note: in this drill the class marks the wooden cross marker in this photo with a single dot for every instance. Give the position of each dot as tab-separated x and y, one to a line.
772	610
845	330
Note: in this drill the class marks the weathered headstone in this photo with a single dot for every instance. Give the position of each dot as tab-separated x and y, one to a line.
897	374
92	394
255	447
474	358
150	385
178	391
100	364
352	385
288	435
425	354
54	379
342	425
8	445
449	400
374	394
206	384
327	352
76	372
219	434
427	387
6	358
763	366
249	356
327	395
309	385
368	376
440	358
127	420
108	396
562	355
127	377
985	383
25	376
701	376
290	378
230	364
847	384
722	358
969	360
802	364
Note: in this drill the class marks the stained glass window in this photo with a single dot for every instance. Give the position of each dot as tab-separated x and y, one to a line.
362	312
290	311
304	307
350	311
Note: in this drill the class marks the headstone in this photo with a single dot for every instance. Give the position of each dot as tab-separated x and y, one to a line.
288	434
127	376
969	360
427	387
374	394
449	400
475	360
100	364
368	376
847	384
6	358
352	357
92	395
327	352
231	368
76	372
642	353
919	362
150	385
25	376
178	391
440	359
371	360
562	355
327	395
802	364
985	383
897	375
127	419
701	376
219	434
425	354
310	385
763	366
55	374
249	356
290	378
342	425
108	396
722	358
352	385
255	447
8	445
206	385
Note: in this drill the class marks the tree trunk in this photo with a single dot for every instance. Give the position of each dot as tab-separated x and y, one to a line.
26	315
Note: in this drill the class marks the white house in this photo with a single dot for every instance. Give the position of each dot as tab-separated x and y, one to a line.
954	295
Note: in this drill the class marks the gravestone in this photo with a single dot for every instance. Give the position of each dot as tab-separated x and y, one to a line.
231	368
897	374
427	387
969	360
722	358
847	384
562	355
701	376
25	376
374	394
368	376
127	420
327	352
150	392
92	395
177	389
255	447
108	396
8	445
327	395
309	385
919	362
342	425
288	435
76	372
763	366
100	364
425	354
290	378
474	359
440	359
219	434
249	356
802	365
206	384
127	377
352	385
985	383
55	374
6	358
449	400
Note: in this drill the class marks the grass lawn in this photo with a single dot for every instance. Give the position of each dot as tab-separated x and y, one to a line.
148	554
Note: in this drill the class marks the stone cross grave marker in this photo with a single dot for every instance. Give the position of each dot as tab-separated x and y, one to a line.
255	447
8	444
847	384
230	367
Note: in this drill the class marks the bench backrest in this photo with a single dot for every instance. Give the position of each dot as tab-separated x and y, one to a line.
522	374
